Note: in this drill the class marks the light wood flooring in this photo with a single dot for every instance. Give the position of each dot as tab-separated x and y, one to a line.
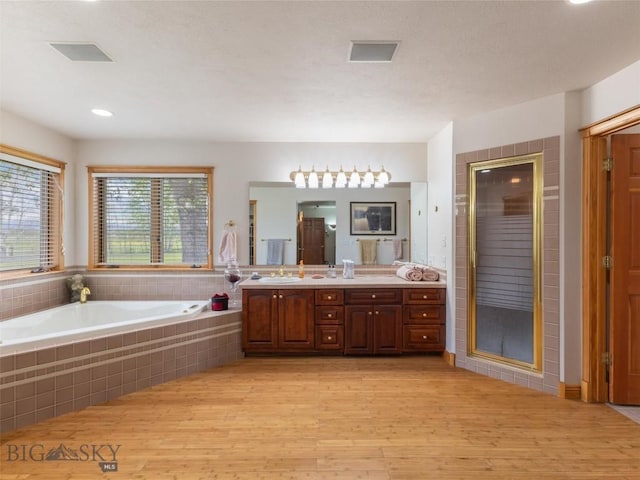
338	418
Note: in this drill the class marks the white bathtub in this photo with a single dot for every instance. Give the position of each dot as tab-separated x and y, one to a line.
94	319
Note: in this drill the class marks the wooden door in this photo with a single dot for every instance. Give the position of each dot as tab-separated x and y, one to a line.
296	313
312	239
387	329
624	380
358	329
259	320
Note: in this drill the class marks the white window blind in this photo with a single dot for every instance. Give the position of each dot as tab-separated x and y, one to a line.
30	203
150	219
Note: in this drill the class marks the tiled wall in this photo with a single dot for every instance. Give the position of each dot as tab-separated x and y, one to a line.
38	385
549	379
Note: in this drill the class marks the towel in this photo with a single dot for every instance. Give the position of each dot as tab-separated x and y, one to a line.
228	251
397	249
409	272
369	252
430	275
275	251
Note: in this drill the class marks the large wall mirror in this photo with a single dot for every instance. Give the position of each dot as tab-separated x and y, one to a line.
281	215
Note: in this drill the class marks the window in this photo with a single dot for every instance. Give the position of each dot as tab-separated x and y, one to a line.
30	211
144	217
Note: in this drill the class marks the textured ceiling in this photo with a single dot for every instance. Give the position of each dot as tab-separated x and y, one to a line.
278	71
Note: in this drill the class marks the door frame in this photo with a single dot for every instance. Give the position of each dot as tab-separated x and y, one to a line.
594	386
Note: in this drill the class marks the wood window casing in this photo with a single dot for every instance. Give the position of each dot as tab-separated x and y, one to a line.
97	225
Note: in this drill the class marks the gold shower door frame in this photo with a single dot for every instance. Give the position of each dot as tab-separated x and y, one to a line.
536	161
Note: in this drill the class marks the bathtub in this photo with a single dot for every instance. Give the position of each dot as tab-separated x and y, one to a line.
94	319
67	358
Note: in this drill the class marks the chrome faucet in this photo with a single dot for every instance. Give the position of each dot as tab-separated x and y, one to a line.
83	294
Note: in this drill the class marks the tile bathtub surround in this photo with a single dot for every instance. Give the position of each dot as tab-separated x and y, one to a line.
548	380
39	385
31	294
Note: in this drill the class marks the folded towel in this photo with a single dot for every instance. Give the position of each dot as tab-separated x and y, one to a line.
275	251
409	272
430	275
369	252
397	249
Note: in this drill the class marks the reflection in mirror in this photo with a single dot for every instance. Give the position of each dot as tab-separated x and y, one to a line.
276	216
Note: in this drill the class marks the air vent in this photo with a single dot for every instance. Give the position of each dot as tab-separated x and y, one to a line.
81	52
372	51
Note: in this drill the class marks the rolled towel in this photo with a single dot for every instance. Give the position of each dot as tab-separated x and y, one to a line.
408	272
430	275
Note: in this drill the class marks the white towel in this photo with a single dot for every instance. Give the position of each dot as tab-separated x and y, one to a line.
397	249
228	251
275	251
410	273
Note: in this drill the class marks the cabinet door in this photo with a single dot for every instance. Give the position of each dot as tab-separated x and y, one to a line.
296	313
259	320
387	329
358	329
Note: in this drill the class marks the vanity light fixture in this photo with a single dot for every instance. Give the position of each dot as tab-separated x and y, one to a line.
340	179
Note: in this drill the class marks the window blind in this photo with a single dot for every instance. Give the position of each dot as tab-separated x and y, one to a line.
30	202
150	219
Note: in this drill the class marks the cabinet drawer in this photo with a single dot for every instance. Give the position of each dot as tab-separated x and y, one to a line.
424	295
423	338
329	337
431	314
329	315
387	296
329	297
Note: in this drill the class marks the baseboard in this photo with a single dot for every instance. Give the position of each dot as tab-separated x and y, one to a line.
570	392
449	358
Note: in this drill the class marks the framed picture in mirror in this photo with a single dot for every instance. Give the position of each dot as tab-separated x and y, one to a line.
373	218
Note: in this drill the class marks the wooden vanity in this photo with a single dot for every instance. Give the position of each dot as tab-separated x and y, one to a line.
362	316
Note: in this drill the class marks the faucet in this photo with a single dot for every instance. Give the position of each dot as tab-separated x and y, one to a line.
281	271
83	294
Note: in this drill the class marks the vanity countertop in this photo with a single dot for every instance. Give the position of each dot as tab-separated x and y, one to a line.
378	281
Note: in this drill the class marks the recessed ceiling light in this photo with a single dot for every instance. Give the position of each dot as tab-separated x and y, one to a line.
101	112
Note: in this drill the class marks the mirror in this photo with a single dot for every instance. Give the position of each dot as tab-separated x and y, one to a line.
275	215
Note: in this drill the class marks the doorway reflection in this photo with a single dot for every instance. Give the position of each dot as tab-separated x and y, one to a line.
316	232
504	281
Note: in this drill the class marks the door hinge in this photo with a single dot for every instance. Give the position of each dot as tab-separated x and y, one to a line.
607	359
607	164
607	262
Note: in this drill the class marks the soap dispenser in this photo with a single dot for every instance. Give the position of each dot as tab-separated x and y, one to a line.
301	269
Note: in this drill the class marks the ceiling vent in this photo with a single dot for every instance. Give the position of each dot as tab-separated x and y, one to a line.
81	52
372	52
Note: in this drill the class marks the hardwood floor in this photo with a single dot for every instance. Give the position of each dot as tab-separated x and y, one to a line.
333	418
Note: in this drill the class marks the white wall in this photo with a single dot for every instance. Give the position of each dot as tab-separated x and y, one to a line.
18	132
236	164
612	95
440	235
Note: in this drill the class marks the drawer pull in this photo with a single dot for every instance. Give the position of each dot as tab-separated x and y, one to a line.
328	297
329	337
424	337
424	314
373	296
329	315
424	297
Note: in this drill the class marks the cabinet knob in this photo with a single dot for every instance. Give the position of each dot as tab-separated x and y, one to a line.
280	296
370	313
424	314
424	297
329	337
328	297
275	296
373	296
329	315
424	337
377	312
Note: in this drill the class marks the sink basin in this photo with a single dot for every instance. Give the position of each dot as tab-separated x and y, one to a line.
279	279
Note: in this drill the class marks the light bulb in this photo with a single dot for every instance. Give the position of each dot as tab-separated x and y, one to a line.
341	179
313	178
299	179
327	179
354	179
368	178
383	176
